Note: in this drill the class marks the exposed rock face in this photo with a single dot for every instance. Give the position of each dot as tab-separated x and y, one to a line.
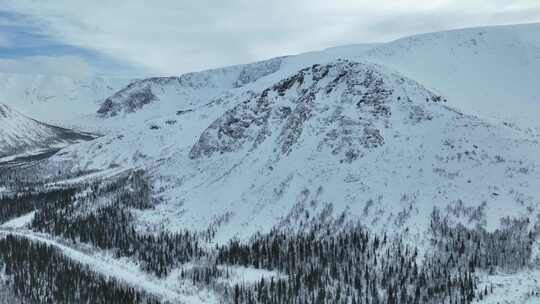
347	103
133	97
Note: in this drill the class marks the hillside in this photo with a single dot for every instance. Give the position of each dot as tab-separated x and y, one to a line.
345	136
488	71
173	113
22	135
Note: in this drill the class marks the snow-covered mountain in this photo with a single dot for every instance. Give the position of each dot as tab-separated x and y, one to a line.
195	89
22	135
490	72
56	99
392	136
207	126
343	140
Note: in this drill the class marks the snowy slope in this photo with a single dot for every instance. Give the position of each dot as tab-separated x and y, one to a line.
56	99
20	134
490	71
334	142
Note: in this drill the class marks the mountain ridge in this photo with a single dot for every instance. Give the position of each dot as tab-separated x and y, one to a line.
485	71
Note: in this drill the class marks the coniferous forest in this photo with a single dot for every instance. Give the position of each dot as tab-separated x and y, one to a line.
350	265
42	274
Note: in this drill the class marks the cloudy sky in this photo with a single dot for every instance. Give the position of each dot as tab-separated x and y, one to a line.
167	37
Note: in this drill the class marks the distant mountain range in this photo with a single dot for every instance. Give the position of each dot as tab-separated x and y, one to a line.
56	99
23	135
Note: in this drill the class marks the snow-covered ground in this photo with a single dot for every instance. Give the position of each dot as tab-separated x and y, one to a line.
248	275
521	287
431	153
489	71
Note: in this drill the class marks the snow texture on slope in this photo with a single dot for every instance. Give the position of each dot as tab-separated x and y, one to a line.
490	71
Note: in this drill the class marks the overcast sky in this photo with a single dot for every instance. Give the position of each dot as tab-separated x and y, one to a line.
168	37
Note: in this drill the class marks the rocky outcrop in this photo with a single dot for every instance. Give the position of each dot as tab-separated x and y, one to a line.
347	103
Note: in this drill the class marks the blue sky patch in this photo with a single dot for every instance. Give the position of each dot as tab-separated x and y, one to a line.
21	37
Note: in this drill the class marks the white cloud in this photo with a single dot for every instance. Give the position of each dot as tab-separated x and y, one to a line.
173	36
72	66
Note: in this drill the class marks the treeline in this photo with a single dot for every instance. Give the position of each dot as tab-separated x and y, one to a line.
7	294
356	266
42	274
132	190
347	266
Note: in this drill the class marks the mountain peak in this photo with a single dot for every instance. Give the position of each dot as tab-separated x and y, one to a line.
345	102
